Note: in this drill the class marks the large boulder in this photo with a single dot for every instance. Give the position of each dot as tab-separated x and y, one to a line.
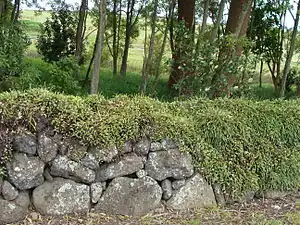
169	164
61	197
25	172
25	143
129	164
196	193
47	148
64	167
127	196
14	211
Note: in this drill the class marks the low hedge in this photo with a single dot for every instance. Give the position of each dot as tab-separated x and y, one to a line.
240	144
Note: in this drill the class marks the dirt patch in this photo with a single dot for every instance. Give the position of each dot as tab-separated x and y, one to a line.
259	211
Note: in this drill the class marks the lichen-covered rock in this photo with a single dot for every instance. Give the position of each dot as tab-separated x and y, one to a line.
127	147
127	196
61	197
142	147
25	143
129	164
166	187
96	191
47	148
141	173
176	184
25	172
90	161
156	146
195	194
168	144
64	167
169	164
9	192
14	211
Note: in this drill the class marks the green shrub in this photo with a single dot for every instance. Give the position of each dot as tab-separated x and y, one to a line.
58	34
240	144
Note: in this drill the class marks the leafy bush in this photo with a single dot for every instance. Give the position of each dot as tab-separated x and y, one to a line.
13	43
61	76
58	34
240	144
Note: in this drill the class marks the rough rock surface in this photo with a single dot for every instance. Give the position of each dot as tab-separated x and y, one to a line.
47	148
169	164
14	211
195	194
166	186
127	196
126	148
47	175
155	146
61	197
142	147
25	143
141	173
25	172
64	167
129	164
176	184
9	192
168	144
96	191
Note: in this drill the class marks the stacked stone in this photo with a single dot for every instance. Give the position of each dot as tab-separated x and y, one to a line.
64	176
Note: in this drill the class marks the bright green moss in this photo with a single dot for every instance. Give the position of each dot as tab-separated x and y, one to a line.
240	144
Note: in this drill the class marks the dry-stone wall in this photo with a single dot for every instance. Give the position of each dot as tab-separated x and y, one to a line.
60	176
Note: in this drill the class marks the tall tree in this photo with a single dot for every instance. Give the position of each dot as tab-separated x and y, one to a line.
132	16
149	58
81	31
217	24
99	48
287	66
236	27
16	11
186	15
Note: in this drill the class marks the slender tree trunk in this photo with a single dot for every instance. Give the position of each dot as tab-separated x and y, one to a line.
16	11
186	13
261	72
205	15
151	48
218	22
129	15
80	31
115	36
99	48
290	54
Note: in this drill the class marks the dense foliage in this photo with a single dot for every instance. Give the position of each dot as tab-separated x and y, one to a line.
240	144
57	37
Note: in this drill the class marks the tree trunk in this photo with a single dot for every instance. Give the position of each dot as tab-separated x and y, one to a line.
186	13
16	11
115	36
205	15
151	48
129	15
237	24
218	22
99	48
290	54
80	31
261	72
